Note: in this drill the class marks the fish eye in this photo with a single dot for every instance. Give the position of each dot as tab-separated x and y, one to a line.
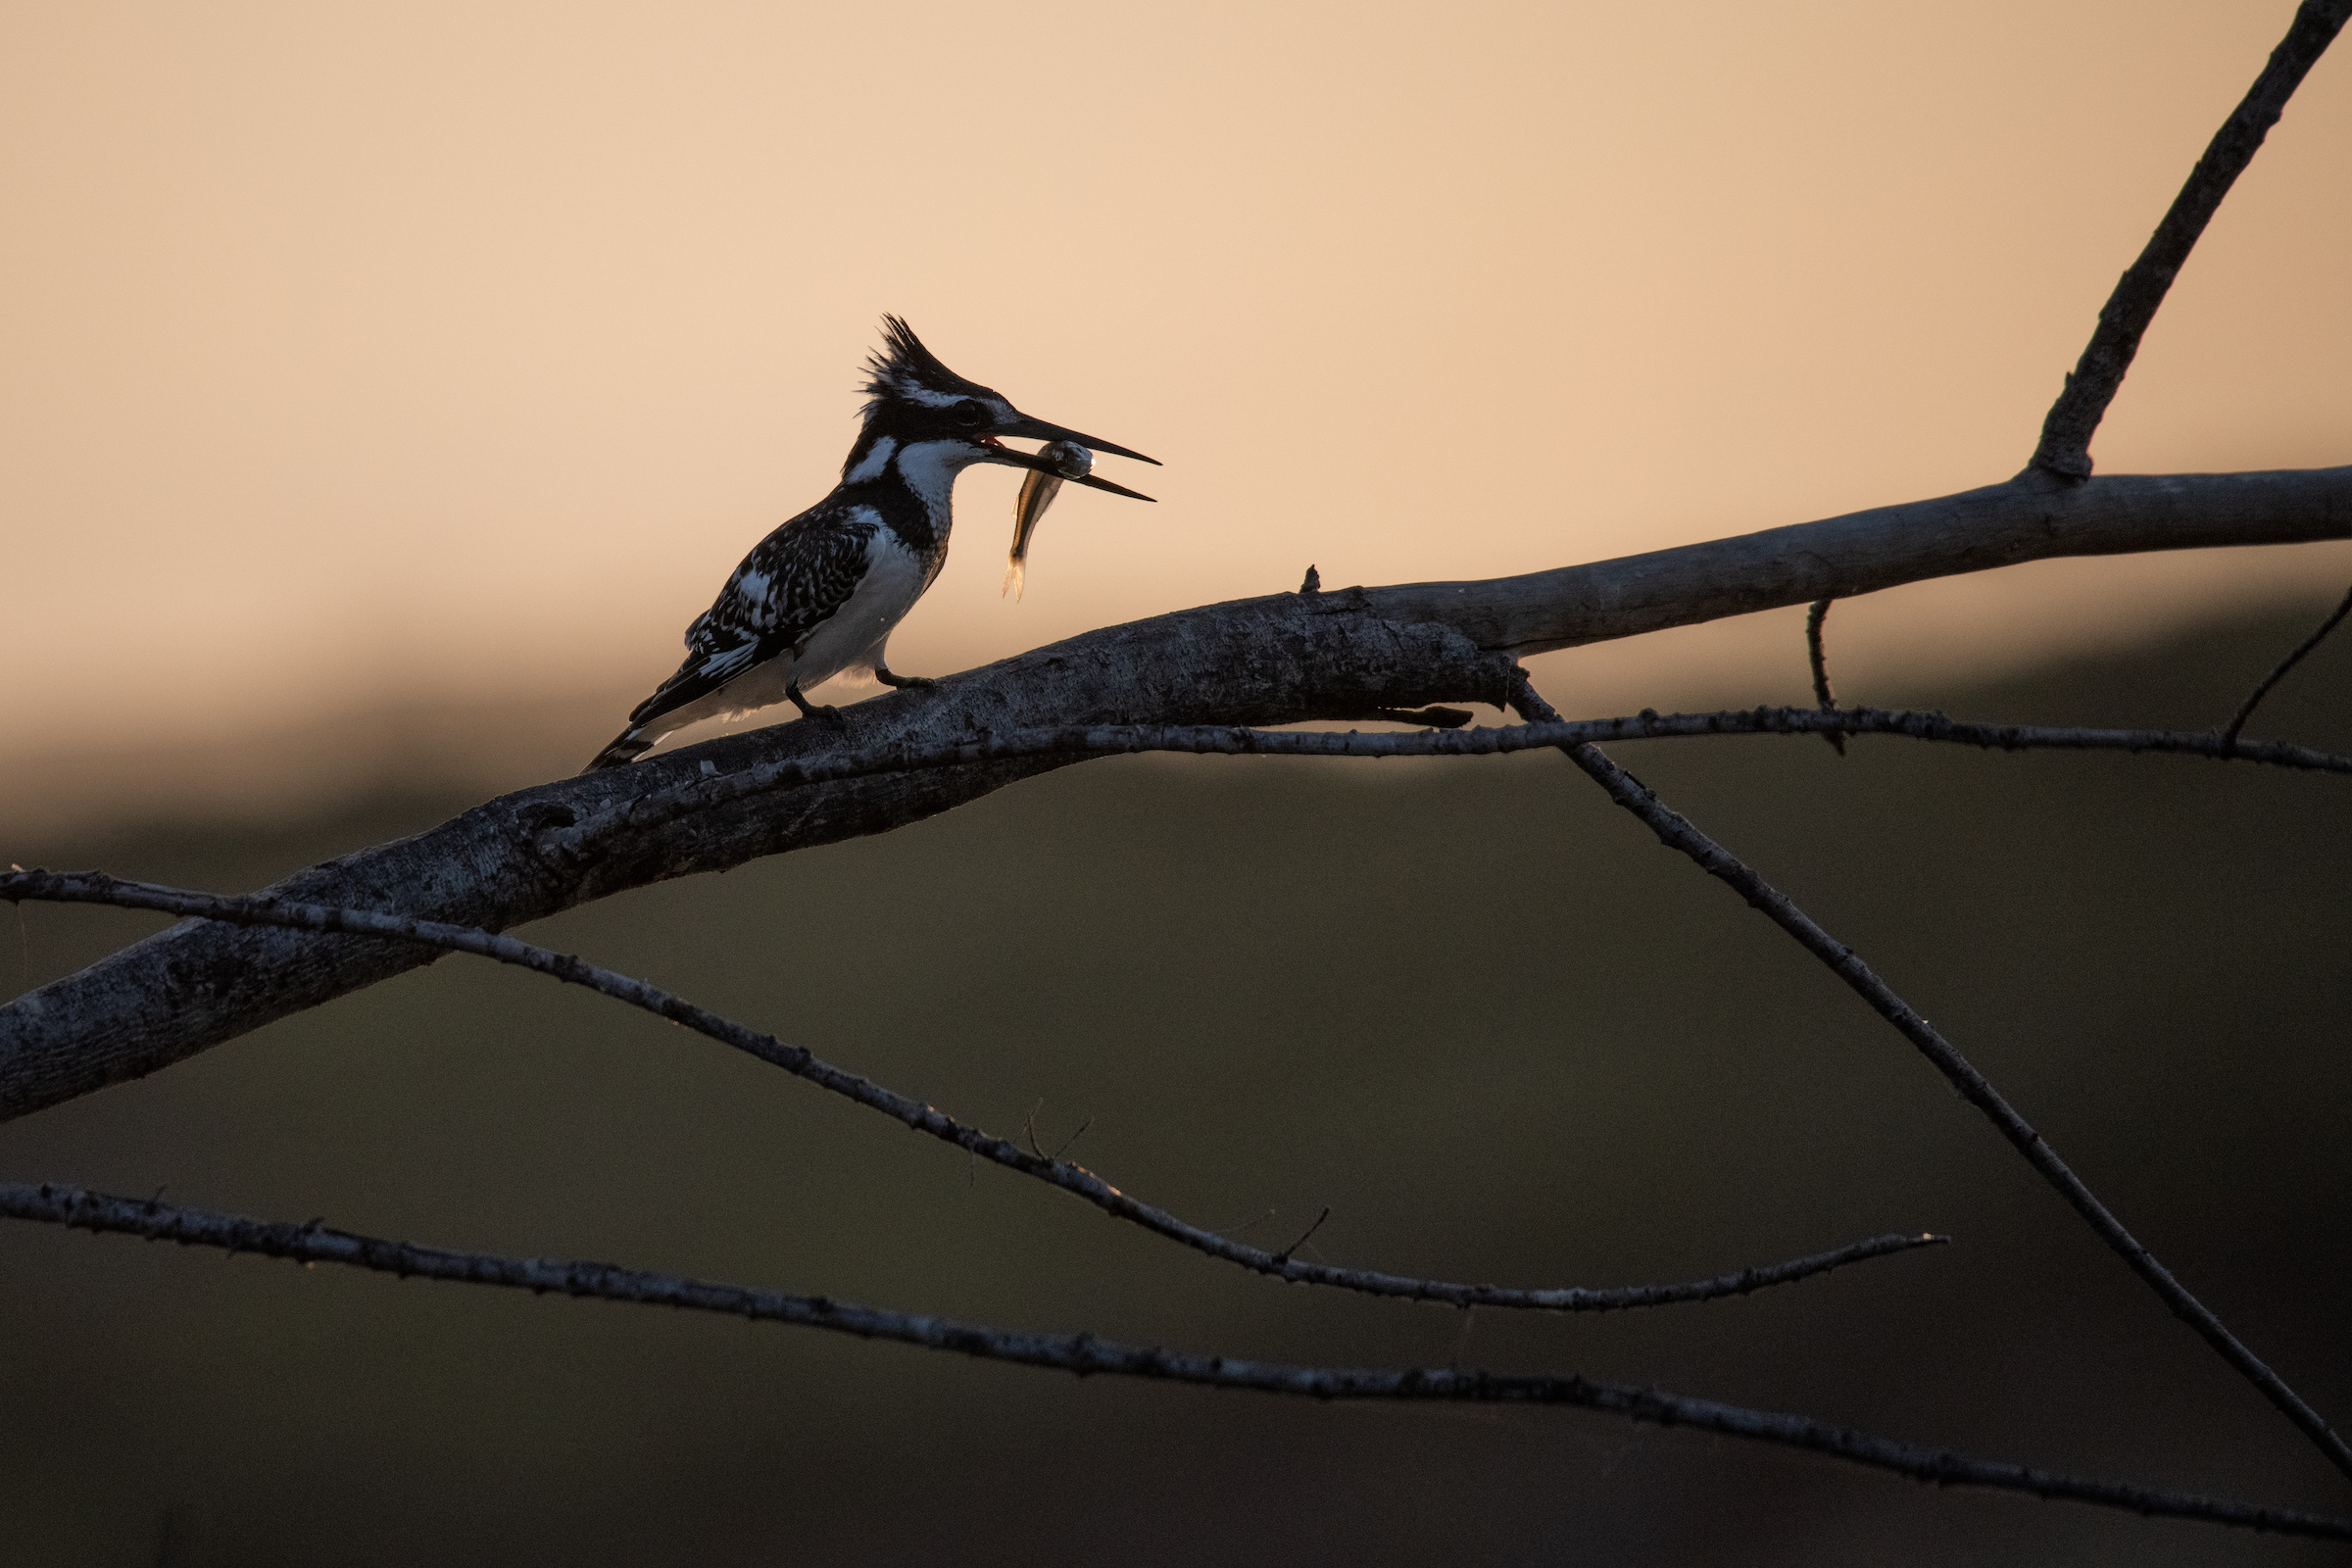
970	412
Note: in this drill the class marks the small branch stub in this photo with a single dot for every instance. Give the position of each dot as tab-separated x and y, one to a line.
1827	700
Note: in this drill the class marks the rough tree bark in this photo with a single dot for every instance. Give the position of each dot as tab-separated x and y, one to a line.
1348	654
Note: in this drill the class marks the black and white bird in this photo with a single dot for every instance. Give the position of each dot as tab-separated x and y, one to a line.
822	594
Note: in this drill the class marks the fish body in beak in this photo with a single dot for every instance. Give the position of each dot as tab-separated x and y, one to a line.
1067	460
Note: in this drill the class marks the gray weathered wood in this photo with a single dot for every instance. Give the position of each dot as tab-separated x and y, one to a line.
1285	659
1863	552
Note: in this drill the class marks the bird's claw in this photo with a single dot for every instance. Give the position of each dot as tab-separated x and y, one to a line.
808	710
921	683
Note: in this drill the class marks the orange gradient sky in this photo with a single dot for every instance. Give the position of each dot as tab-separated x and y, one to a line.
360	354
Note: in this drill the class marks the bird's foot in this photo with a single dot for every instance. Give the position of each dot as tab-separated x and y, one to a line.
918	682
808	710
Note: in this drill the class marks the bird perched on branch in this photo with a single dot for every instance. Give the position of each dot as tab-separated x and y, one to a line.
823	593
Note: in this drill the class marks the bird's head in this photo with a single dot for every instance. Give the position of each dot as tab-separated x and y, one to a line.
936	419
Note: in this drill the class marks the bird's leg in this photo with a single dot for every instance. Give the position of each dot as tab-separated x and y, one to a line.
809	710
918	682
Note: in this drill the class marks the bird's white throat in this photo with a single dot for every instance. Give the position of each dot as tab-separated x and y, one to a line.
930	467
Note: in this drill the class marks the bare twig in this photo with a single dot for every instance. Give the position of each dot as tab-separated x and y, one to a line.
2065	449
1064	1145
1286	1253
585	840
1823	698
2254	699
1432	717
96	887
1677	833
1086	1353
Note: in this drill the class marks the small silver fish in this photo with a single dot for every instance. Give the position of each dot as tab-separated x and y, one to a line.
1071	462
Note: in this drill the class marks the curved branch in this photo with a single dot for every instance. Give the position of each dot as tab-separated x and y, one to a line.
1677	832
1086	1353
1286	658
1818	657
798	1060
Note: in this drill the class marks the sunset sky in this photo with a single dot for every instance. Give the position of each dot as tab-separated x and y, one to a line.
394	353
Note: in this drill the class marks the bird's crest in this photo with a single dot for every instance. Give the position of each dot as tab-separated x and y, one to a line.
905	370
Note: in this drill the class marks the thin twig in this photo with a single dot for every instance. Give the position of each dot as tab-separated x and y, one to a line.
2065	448
1426	717
2254	700
1285	1253
1677	833
1086	1353
1064	1147
1823	698
658	807
97	888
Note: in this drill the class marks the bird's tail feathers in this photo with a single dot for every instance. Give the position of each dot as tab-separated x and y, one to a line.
628	746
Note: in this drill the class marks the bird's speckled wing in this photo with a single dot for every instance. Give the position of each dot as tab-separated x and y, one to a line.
788	586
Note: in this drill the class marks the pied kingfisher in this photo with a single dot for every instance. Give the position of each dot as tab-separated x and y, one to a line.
823	593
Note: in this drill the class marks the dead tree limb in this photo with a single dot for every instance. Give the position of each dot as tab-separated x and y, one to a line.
584	842
2064	452
1068	1175
1088	1354
1678	833
1285	659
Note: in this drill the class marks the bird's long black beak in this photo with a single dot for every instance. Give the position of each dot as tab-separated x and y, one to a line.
1029	430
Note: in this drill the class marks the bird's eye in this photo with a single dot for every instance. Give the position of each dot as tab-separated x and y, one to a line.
970	414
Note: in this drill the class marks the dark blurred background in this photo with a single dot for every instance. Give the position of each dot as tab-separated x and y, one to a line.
1469	1006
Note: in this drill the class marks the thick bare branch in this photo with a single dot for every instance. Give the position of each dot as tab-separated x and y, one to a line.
1865	551
913	1113
2065	448
1086	1353
1677	832
1287	658
1271	660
